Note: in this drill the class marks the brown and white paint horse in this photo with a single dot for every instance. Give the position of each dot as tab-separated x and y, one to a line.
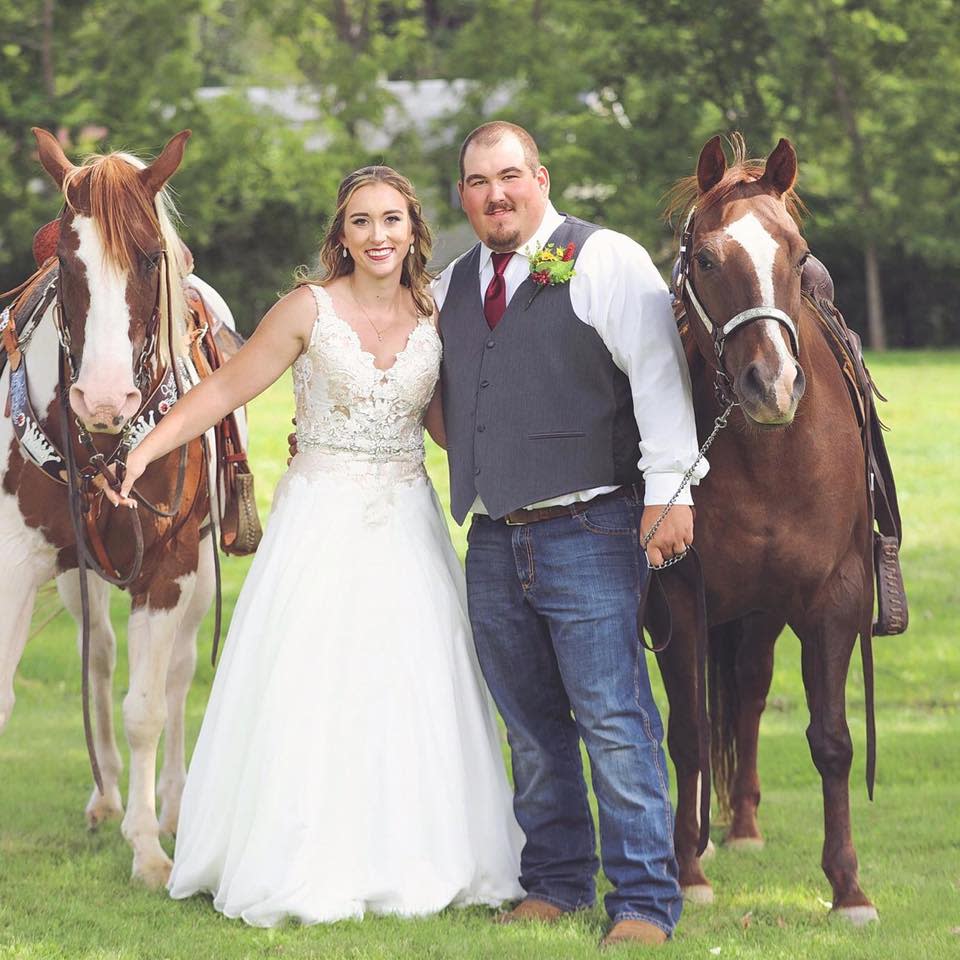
116	242
783	525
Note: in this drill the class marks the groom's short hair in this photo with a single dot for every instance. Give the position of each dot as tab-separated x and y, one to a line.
487	134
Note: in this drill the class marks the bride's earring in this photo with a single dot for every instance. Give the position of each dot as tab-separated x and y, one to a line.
344	253
412	249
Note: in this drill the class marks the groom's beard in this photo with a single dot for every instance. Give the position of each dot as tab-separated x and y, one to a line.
502	239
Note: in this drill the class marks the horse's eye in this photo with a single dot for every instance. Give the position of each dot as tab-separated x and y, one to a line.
704	261
152	260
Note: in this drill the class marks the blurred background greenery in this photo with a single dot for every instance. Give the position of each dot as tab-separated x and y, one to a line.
284	97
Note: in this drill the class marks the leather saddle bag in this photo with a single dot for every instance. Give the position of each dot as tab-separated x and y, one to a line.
891	596
240	529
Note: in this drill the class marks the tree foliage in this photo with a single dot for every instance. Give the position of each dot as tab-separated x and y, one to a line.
620	97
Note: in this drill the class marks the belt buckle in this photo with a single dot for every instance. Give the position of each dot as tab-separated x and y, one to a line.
514	523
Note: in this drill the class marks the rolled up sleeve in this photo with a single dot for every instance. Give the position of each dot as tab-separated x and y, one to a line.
618	291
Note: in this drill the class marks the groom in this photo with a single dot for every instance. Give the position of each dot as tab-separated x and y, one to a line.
558	398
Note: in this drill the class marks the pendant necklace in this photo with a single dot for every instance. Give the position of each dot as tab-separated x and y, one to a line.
376	330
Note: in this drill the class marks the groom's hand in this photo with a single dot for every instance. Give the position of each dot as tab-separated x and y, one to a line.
292	442
673	536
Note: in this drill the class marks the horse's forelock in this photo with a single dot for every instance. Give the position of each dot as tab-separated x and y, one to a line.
117	200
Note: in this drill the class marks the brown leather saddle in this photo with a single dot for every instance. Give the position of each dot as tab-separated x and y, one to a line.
212	342
816	286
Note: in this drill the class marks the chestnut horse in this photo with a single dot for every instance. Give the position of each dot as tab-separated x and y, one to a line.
783	522
110	341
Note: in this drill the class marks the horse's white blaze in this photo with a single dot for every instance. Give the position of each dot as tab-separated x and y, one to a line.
786	374
106	369
751	234
761	247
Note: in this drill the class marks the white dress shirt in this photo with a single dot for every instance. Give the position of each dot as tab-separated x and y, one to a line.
618	291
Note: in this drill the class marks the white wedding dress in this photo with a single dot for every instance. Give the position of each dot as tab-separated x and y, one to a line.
349	760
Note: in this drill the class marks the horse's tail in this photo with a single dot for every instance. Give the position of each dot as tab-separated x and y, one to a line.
724	709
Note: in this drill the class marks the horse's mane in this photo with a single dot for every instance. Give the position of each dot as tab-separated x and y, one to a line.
685	193
118	199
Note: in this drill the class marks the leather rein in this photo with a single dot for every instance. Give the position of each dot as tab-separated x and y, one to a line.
693	571
83	498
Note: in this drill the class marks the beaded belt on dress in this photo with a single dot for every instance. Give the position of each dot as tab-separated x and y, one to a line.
361	467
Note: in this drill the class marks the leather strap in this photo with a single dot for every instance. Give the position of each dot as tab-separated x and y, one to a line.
94	539
518	518
654	612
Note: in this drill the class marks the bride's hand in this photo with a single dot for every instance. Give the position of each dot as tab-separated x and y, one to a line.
134	470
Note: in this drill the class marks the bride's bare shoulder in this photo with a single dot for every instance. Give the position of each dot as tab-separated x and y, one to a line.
294	312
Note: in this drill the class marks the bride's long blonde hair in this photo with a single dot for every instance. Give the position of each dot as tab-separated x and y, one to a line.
332	262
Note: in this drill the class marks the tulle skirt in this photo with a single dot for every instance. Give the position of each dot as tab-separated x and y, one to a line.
349	760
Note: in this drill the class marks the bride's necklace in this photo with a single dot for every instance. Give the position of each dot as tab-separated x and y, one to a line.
377	330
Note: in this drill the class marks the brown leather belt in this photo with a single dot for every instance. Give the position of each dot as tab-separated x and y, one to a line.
518	518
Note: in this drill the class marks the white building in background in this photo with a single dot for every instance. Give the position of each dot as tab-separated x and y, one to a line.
422	107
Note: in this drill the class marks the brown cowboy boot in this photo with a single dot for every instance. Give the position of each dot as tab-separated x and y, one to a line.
530	910
634	931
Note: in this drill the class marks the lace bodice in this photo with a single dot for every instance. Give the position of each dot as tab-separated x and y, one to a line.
350	410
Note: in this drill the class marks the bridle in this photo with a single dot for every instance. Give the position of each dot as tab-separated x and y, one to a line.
683	289
82	496
169	388
143	368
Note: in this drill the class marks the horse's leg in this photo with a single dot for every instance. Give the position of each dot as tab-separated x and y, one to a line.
753	670
103	662
29	561
678	669
182	665
17	596
828	638
151	638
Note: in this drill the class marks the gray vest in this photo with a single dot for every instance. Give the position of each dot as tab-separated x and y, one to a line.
535	408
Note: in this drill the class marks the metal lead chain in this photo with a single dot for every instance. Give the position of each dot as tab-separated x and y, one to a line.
718	425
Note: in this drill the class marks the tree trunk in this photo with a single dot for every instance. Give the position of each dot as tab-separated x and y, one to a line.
46	51
876	332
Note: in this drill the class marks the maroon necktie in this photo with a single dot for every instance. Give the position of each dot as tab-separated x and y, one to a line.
495	299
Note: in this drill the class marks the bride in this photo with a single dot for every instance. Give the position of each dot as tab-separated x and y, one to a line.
348	759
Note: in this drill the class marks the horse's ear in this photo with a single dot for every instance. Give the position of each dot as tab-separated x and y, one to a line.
712	165
164	167
52	157
781	170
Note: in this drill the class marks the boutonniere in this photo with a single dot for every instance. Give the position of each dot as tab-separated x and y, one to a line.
550	265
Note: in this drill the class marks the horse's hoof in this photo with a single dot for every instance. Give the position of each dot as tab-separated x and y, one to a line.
154	874
699	893
168	822
743	843
102	809
709	852
857	916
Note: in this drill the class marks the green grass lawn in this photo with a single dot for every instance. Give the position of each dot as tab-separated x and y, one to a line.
65	892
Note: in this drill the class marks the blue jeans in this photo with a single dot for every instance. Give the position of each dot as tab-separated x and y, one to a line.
553	606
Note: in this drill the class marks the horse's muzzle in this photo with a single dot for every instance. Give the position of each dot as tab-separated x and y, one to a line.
770	399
